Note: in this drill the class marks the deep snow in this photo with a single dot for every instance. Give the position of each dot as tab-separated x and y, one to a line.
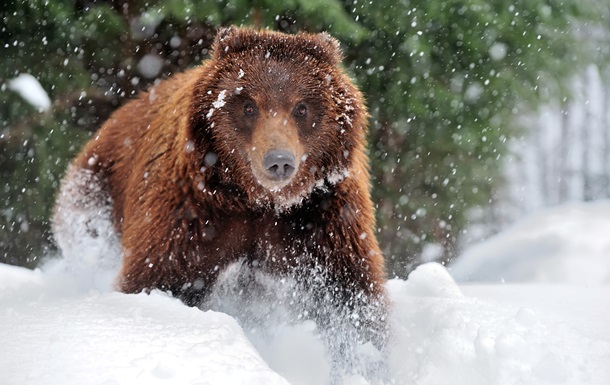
63	325
565	244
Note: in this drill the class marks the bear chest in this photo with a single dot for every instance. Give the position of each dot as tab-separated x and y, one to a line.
265	241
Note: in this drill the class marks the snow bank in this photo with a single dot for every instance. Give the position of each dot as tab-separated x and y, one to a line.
473	335
55	331
51	336
29	88
14	277
569	244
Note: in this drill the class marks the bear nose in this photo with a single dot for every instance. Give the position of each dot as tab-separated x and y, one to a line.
280	164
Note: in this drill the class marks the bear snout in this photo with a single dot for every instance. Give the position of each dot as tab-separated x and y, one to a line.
280	164
275	150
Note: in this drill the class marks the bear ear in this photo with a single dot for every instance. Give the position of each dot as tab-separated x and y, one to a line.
226	39
234	39
330	48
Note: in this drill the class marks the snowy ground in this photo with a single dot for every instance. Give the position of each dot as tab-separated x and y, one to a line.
565	244
69	327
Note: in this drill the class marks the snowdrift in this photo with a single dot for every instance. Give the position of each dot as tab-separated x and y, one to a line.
64	325
569	243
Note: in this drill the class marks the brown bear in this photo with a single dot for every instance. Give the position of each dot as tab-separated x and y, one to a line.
257	154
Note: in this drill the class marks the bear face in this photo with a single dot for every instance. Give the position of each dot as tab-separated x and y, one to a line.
285	124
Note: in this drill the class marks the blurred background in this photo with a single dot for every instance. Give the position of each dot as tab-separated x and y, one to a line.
481	111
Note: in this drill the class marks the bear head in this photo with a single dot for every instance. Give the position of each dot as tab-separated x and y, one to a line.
275	116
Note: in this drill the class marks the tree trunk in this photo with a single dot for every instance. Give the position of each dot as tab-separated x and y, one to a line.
564	152
543	167
606	132
587	121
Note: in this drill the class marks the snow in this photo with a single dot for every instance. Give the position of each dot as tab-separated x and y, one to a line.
569	243
220	102
59	326
150	65
498	51
30	89
110	338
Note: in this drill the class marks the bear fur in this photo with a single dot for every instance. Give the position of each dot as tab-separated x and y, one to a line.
184	174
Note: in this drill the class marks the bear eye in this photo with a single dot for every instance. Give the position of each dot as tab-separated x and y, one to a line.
300	110
249	109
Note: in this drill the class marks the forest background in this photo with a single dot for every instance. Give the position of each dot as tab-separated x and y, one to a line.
453	88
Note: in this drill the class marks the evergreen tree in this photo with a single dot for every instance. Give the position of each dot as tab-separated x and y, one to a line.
446	83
